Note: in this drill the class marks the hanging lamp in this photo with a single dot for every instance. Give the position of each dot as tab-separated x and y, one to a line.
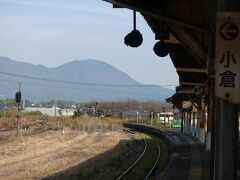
161	48
134	38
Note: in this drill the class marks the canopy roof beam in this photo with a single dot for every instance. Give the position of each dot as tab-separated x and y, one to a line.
161	17
193	70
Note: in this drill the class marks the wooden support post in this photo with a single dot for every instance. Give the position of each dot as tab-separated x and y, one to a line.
226	156
202	121
193	124
189	122
164	120
182	117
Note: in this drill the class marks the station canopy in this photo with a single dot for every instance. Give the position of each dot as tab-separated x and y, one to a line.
186	26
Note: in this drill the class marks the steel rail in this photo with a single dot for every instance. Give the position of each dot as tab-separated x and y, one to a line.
155	164
134	162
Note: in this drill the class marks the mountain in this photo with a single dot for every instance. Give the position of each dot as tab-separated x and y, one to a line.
79	81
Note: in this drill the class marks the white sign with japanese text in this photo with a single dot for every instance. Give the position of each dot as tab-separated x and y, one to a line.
227	64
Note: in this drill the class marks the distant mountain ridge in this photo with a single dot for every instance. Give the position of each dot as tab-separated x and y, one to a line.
96	79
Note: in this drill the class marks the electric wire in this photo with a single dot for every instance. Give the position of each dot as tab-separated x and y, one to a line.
82	83
114	92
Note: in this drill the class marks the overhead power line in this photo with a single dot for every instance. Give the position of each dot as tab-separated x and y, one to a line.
114	92
82	83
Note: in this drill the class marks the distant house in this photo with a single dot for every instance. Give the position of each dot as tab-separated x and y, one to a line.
67	112
45	111
167	116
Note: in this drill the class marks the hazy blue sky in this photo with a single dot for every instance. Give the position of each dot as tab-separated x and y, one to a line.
52	32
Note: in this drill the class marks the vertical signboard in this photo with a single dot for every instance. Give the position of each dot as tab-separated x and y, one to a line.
227	63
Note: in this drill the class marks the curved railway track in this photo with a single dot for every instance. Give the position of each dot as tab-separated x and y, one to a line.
133	165
155	164
138	161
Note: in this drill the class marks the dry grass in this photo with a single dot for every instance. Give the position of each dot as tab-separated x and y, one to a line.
91	120
9	125
8	122
40	155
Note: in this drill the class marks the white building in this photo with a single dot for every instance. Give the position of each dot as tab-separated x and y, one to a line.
168	116
45	111
67	112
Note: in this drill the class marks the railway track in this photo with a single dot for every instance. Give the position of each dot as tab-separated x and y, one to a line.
25	128
155	164
15	127
135	165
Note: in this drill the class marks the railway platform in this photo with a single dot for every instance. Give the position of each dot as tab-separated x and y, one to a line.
189	160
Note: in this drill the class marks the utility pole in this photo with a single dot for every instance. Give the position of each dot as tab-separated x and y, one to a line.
137	116
24	102
2	107
164	122
55	106
158	115
18	97
151	118
4	110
